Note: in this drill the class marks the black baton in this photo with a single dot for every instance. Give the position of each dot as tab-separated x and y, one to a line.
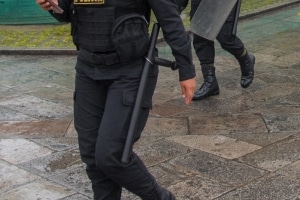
150	60
236	17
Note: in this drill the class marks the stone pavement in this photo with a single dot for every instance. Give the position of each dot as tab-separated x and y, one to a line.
242	144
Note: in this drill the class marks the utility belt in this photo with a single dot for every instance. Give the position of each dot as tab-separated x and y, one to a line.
105	58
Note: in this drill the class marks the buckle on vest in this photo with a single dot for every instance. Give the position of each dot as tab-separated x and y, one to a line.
89	2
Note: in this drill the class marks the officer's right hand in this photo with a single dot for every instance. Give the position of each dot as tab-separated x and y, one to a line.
45	5
187	90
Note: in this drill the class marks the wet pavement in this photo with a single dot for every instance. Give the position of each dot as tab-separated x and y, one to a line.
242	144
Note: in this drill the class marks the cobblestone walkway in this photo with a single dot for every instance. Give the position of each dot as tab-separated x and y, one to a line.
243	144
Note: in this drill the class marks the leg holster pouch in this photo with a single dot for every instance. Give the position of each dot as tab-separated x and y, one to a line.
130	37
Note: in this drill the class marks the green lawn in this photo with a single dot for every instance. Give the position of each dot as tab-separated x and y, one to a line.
58	35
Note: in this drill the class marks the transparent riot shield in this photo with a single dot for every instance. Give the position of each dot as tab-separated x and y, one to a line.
210	17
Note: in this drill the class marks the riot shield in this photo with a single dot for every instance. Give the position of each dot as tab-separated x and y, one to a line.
210	17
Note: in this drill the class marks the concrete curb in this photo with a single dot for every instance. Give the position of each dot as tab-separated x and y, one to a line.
26	51
268	10
38	51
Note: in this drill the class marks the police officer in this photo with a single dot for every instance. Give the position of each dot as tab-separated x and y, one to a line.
205	52
112	39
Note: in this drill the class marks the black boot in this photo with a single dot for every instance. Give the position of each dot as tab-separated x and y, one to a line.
210	86
247	62
160	193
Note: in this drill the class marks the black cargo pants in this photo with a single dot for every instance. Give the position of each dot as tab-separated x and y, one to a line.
205	49
102	112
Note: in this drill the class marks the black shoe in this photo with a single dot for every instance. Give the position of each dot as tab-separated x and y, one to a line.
247	69
207	89
210	86
162	194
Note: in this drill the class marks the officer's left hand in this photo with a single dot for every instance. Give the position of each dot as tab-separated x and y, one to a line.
45	5
187	90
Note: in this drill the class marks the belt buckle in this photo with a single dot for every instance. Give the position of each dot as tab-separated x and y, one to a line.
89	2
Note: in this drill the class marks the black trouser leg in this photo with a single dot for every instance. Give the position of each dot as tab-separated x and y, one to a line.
88	110
102	112
103	187
112	132
229	41
235	46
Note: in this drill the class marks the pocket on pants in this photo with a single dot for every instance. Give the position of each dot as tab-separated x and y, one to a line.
129	98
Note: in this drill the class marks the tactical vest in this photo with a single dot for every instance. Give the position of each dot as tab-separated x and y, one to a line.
92	22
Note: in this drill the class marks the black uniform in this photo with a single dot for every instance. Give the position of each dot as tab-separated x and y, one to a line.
205	51
107	82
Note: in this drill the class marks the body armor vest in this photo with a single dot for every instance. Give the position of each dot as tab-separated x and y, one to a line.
92	23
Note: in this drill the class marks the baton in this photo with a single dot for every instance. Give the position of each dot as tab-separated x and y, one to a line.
165	63
237	14
150	60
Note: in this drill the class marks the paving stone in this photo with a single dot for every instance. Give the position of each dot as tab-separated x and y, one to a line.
221	106
288	60
160	151
259	98
75	179
216	168
216	144
260	139
199	187
48	91
8	179
37	190
157	126
167	86
226	124
185	183
289	104
76	197
36	107
64	64
167	174
168	110
7	114
283	122
34	129
277	110
27	73
66	81
71	132
278	78
256	105
55	163
261	51
145	140
292	170
58	143
226	63
273	187
268	68
241	144
275	156
17	151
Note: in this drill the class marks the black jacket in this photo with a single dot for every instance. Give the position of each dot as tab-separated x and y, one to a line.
167	15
